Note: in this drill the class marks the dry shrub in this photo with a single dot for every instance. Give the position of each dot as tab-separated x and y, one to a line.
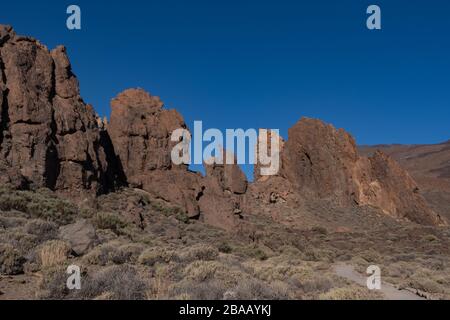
350	293
156	255
254	289
11	262
53	253
43	230
111	283
192	290
111	221
202	270
159	288
121	282
199	252
114	253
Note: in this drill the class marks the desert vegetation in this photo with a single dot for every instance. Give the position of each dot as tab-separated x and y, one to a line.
152	251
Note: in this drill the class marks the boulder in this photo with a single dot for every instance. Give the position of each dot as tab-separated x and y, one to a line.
81	236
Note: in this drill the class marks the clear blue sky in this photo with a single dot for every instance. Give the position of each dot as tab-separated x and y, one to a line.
254	64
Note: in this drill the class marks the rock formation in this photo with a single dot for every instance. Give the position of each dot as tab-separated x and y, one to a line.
320	162
140	130
429	166
49	136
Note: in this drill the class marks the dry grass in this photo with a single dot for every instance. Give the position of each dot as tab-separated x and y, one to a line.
166	258
53	253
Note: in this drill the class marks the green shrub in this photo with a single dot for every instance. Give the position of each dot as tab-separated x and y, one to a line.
154	255
320	230
224	247
40	204
111	221
11	262
43	230
199	252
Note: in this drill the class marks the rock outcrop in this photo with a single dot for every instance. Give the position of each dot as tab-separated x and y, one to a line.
48	135
429	165
140	130
321	162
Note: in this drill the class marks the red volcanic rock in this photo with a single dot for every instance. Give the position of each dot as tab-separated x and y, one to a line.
222	199
50	138
320	162
229	176
48	133
140	130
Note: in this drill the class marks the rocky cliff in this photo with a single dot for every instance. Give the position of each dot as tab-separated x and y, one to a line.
321	162
49	137
140	130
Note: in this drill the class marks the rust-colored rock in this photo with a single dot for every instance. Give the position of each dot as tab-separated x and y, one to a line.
321	162
50	138
229	176
140	130
48	133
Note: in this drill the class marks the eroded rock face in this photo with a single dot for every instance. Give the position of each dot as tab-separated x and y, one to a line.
140	130
50	138
48	133
321	162
228	176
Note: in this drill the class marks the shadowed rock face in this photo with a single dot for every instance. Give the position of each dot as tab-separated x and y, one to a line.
320	162
48	134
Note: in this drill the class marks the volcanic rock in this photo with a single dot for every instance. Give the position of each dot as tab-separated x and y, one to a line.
48	134
429	165
320	162
81	236
140	130
229	176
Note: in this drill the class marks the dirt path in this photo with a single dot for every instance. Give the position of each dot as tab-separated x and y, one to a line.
389	291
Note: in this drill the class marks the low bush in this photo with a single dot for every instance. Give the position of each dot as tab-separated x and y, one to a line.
111	221
53	253
11	262
350	293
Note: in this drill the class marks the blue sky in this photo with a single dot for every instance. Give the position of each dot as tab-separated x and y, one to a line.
250	64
